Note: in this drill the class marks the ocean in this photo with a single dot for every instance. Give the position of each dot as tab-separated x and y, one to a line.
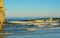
20	31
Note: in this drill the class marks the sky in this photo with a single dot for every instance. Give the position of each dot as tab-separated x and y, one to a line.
32	8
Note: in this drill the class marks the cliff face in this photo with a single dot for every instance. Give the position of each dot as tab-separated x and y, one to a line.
2	13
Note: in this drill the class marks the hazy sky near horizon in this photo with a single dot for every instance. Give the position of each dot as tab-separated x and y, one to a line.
32	8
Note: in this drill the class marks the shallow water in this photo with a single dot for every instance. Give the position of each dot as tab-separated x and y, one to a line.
35	36
19	31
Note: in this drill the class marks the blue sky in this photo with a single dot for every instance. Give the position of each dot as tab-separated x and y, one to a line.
32	8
